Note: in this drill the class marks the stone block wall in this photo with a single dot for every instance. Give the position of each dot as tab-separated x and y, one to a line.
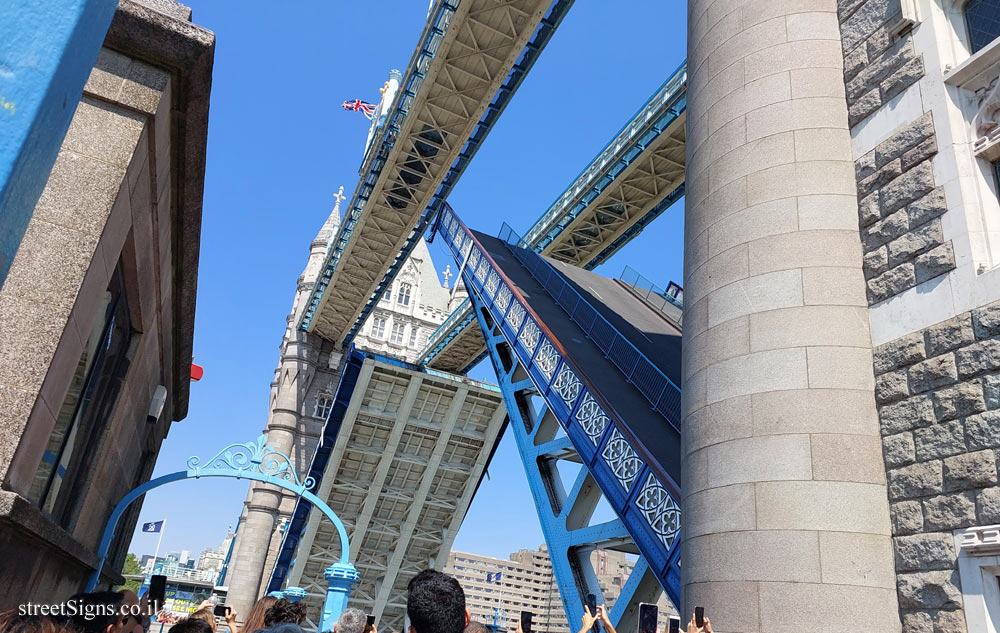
938	393
899	209
877	64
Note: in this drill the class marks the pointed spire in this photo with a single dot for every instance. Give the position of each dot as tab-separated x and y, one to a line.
329	229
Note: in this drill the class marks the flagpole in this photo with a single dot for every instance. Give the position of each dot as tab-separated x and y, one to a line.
158	541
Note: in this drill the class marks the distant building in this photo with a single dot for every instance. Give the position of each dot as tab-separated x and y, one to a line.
97	310
528	584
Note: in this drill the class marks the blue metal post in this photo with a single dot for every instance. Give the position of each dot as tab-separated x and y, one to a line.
47	50
340	577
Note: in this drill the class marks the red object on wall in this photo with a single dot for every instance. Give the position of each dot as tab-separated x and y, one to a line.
197	371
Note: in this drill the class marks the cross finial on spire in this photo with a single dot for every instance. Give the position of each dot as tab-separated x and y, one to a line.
339	196
447	275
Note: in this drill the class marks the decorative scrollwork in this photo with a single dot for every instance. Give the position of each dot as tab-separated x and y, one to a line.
252	457
986	122
660	510
474	259
625	463
466	246
567	385
503	298
547	359
492	283
516	316
529	336
592	418
481	270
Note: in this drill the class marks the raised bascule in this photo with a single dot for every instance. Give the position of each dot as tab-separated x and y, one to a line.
405	446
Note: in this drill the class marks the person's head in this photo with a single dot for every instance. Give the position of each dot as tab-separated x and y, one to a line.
99	612
13	622
191	625
351	621
435	603
255	619
206	615
476	627
284	611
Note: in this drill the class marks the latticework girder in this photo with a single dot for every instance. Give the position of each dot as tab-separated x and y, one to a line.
466	55
410	451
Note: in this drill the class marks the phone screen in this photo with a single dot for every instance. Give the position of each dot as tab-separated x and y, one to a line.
369	623
157	591
592	605
675	625
220	610
699	616
526	621
647	618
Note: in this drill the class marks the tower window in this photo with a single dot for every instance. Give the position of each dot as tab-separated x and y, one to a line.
378	327
982	18
403	295
413	336
324	404
397	333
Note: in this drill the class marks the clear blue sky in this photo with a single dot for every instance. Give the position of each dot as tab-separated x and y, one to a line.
279	146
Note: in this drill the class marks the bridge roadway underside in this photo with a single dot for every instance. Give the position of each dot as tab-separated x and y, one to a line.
652	334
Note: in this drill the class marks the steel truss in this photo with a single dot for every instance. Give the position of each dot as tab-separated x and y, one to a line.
531	366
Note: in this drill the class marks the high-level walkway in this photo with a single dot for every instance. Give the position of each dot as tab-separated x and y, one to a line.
637	176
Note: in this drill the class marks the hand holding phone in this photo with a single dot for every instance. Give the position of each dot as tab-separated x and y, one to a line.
526	622
369	623
219	610
699	616
675	625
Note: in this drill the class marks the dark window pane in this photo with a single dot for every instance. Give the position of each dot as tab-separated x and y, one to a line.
983	20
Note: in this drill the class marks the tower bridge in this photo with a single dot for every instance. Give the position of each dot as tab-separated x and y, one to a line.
399	449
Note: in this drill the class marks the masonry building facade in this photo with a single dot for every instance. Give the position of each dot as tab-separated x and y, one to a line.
97	311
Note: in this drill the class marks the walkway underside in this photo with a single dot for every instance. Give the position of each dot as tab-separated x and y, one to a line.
401	458
466	54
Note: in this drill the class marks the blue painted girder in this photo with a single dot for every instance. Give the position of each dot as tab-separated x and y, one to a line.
640	492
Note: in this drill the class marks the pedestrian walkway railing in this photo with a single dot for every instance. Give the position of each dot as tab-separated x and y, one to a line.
653	294
648	379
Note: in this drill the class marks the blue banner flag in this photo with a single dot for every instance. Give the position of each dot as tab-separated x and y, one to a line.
154	526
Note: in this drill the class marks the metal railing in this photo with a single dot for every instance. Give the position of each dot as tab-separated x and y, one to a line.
651	382
654	295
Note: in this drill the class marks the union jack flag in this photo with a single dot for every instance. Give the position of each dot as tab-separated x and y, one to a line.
367	109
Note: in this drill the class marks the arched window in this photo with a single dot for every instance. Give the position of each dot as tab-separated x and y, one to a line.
403	295
982	18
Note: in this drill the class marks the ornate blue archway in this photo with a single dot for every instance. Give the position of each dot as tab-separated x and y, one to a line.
260	462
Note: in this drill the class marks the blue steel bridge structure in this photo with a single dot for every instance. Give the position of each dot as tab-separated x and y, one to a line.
588	367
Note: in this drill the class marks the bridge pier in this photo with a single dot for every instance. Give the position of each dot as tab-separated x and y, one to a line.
786	520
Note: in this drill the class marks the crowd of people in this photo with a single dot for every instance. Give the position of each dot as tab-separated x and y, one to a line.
435	604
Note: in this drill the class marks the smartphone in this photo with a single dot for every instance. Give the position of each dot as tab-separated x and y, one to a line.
370	623
220	610
647	617
699	616
592	605
157	591
675	625
526	621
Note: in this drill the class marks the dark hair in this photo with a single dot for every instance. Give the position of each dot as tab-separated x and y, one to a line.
191	625
435	603
94	616
13	622
477	627
285	611
255	619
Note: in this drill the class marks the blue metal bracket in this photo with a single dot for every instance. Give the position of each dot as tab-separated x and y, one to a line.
260	462
631	479
569	547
